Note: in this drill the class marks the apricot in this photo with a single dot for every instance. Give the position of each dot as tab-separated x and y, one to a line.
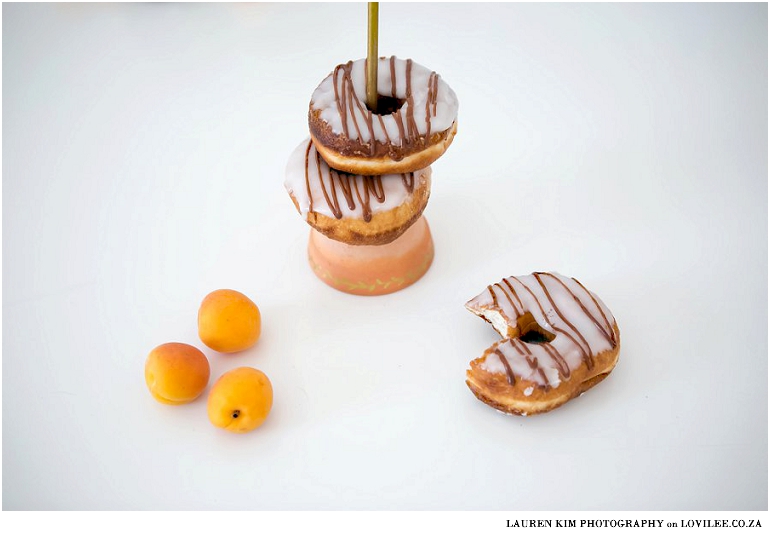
228	321
240	400
176	373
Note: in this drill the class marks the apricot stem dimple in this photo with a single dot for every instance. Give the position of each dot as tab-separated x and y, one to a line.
237	403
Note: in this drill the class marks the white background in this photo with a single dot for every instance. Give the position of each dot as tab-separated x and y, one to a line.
143	157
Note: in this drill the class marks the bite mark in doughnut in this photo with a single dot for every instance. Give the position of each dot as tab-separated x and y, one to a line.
354	209
559	340
415	125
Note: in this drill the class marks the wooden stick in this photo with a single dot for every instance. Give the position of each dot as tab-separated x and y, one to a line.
371	57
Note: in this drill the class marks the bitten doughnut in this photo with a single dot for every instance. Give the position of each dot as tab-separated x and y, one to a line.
354	209
415	123
559	340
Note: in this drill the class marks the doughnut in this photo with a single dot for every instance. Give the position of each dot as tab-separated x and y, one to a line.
372	269
559	340
415	122
354	209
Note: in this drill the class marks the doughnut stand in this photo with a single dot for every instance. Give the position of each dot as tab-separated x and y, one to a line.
372	269
362	179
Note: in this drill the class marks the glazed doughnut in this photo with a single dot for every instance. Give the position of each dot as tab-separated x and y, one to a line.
415	123
559	340
354	209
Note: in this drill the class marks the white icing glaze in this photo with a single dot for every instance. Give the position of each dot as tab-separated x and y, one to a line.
427	118
308	176
581	323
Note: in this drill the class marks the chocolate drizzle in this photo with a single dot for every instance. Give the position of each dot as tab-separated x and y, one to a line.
354	190
586	353
561	364
491	291
411	124
392	76
408	180
351	109
507	366
307	175
611	336
432	101
519	310
608	333
531	359
514	294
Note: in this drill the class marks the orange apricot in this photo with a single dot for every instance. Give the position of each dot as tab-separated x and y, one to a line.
240	400
176	373
228	321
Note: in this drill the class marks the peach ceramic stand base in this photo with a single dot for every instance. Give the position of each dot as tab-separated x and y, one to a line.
372	269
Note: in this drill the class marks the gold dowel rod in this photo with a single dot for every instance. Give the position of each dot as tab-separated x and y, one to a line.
371	57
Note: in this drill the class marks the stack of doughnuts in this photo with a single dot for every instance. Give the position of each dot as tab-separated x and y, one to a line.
362	178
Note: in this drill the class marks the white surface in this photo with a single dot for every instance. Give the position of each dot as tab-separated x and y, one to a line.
143	157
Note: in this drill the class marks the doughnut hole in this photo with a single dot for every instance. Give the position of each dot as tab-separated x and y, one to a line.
387	105
531	332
